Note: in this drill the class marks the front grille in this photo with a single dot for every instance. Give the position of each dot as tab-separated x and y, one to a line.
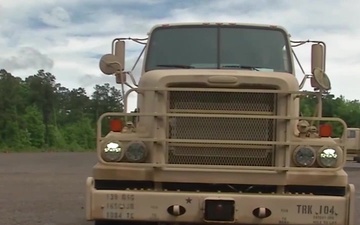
221	128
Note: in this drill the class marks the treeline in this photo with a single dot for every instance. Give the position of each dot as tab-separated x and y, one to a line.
39	113
348	110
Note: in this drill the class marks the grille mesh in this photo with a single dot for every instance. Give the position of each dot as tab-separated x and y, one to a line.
222	128
220	156
227	101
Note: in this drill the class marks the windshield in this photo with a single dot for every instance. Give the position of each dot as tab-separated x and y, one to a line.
232	47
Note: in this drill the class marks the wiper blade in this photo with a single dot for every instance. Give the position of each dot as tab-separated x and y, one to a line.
249	67
175	66
241	67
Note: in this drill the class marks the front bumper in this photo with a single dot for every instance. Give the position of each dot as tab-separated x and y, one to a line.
190	207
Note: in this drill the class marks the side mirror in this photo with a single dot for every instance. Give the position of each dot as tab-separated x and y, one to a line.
114	62
320	80
317	57
109	64
119	52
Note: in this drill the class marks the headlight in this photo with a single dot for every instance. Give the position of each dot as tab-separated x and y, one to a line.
112	152
136	152
304	156
327	157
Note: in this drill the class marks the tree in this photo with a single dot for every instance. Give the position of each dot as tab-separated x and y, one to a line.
105	99
34	126
12	93
39	113
42	87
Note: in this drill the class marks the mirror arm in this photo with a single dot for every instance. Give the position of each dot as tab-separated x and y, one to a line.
137	60
299	43
137	40
297	60
127	84
133	68
303	81
132	78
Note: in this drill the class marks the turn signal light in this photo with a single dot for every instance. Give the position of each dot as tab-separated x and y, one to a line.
116	125
325	130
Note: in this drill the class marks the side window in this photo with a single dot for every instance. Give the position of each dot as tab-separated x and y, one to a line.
351	134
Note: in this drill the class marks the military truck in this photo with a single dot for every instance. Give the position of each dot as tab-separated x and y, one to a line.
353	144
216	136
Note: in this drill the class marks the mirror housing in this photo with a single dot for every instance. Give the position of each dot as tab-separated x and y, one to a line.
109	64
317	57
320	80
119	52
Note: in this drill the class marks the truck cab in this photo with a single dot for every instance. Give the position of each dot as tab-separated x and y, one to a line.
217	136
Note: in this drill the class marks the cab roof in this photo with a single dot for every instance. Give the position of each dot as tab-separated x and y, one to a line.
217	24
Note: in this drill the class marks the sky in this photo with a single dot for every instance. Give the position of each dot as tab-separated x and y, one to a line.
68	37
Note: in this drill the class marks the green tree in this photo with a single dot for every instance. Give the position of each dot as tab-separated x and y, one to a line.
12	92
35	126
105	99
42	88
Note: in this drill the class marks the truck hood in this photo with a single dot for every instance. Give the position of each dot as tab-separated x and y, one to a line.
219	78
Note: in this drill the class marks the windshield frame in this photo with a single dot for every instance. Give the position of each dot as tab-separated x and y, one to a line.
290	67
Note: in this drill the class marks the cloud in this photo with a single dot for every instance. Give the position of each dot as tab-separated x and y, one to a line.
67	37
26	58
57	17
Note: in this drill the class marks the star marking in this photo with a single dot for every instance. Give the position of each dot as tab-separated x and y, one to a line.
188	200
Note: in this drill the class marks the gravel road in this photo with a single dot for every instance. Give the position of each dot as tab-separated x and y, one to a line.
48	188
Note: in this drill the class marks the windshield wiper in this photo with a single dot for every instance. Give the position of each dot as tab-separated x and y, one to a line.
241	67
175	66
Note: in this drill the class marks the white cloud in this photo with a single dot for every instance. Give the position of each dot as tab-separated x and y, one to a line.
67	37
26	58
57	17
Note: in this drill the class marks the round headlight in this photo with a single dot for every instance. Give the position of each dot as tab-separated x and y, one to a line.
304	156
112	151
136	152
327	157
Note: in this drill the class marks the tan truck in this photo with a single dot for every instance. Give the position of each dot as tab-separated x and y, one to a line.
353	144
216	136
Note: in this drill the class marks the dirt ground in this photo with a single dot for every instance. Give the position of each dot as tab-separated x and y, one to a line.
48	188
